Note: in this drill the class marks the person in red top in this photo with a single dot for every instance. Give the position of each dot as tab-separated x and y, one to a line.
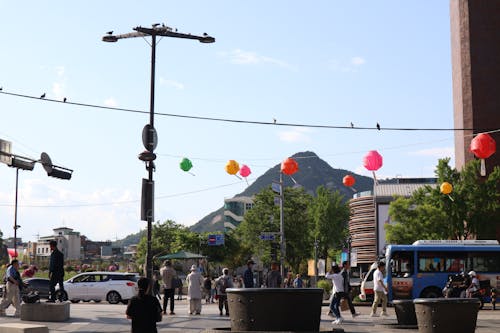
29	272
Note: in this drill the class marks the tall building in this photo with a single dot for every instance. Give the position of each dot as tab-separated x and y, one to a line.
235	209
475	49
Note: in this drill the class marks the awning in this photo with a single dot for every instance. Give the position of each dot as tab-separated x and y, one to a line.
181	255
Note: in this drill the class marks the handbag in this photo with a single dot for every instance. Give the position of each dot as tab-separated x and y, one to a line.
344	306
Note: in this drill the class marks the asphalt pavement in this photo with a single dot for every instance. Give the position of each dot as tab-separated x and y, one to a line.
104	317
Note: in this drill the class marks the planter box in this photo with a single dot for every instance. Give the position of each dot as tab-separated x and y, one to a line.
405	312
275	309
440	315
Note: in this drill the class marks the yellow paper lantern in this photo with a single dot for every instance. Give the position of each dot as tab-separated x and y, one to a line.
232	167
446	188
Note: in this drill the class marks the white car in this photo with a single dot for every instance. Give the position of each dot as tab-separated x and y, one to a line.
97	286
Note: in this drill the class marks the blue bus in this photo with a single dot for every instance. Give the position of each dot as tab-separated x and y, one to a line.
421	270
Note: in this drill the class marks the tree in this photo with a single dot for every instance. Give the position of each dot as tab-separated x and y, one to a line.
265	217
329	214
471	209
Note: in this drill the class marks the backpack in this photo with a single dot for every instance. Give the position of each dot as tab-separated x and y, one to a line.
223	285
208	284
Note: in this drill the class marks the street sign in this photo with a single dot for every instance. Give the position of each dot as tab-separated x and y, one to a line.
276	187
277	201
216	239
268	236
5	147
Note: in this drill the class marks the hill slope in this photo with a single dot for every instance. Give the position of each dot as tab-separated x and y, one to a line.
313	172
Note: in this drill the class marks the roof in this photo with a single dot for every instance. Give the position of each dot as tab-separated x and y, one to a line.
405	190
181	255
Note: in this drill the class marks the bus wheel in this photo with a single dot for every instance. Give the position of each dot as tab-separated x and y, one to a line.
431	292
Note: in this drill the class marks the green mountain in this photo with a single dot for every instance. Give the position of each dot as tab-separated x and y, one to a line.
313	172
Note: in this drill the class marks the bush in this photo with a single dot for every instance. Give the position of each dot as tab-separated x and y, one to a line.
326	285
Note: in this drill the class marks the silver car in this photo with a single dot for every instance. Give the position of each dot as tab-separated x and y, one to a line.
97	286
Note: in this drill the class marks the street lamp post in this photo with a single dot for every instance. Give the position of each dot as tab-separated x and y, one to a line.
149	135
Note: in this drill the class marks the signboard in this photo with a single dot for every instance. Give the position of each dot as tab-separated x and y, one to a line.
354	257
216	239
276	187
277	201
6	147
267	236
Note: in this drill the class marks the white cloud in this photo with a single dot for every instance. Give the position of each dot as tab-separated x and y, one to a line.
241	57
438	152
295	135
110	102
352	65
171	83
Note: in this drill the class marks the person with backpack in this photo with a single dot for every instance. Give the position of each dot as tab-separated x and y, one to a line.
223	282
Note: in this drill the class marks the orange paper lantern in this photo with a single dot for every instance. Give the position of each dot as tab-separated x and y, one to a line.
349	180
289	166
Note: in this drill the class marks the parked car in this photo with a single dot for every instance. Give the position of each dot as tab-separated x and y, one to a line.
39	285
112	287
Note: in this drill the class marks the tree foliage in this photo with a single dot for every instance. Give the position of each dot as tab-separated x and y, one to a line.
471	209
329	214
265	217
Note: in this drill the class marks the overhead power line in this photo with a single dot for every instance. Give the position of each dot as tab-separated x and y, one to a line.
273	123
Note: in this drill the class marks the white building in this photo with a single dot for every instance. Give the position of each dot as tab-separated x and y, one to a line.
68	242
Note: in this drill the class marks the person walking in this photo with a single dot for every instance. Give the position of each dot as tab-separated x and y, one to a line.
207	288
337	290
248	275
380	290
298	283
56	272
13	287
274	279
347	287
144	309
195	284
223	282
168	274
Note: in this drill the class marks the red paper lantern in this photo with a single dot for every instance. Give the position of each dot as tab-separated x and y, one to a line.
483	146
289	166
349	180
372	160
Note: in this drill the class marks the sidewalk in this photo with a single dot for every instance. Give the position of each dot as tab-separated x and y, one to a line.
103	317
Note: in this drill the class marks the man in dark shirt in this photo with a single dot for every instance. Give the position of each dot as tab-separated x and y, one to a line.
248	275
144	309
56	272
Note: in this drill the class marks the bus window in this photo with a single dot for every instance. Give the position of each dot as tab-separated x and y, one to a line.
430	262
484	262
402	264
455	263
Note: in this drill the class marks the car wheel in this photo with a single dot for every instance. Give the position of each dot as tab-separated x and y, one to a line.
75	301
61	295
113	297
97	301
86	300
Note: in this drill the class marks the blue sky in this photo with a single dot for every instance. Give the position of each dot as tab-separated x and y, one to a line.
314	62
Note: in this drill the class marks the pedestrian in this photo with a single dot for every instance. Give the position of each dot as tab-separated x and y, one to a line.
288	283
248	275
156	282
144	309
56	272
274	279
213	290
207	288
223	282
298	283
168	274
347	287
194	282
380	290
179	285
13	287
337	290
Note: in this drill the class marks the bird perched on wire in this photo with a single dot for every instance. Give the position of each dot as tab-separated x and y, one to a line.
378	126
110	32
352	125
1	88
274	120
43	95
64	100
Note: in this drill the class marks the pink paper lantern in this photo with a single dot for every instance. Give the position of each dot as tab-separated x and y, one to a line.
245	171
372	160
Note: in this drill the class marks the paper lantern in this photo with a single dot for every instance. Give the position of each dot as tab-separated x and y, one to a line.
446	188
245	171
289	166
483	146
186	164
349	180
232	167
372	160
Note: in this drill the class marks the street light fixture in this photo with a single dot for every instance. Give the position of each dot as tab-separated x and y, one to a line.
26	163
149	135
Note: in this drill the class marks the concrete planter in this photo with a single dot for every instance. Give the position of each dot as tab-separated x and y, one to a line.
405	312
275	309
440	315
